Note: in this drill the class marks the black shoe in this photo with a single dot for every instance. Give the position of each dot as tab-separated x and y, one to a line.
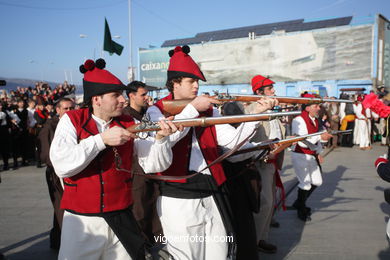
265	247
274	224
296	206
303	215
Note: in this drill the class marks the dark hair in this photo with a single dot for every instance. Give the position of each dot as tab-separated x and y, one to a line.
170	82
64	99
260	90
133	86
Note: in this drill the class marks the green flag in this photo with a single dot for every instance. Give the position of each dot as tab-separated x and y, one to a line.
109	44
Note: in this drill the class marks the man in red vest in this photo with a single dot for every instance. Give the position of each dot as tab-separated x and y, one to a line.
306	158
194	212
92	152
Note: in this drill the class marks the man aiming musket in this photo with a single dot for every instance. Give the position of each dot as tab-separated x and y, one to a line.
196	207
306	158
173	107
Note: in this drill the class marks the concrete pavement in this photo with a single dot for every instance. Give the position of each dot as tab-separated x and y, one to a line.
348	221
349	212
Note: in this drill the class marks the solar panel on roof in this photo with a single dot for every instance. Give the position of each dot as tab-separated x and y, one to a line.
262	29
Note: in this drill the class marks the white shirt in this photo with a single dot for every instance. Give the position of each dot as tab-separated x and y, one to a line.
227	136
357	109
274	129
3	118
298	127
13	116
30	119
70	158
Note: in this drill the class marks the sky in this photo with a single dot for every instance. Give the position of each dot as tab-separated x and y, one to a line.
40	39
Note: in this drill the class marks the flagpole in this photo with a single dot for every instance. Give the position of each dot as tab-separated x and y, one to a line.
130	41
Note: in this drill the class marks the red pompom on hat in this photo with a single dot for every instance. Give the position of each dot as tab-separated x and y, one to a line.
182	65
97	80
259	81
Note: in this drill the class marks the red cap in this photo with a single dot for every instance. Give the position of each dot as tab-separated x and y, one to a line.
360	98
97	80
182	65
259	81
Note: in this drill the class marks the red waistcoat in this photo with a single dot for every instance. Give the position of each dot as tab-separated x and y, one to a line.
311	129
207	139
99	187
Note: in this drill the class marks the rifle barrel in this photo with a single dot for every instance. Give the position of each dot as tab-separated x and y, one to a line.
208	121
283	99
174	107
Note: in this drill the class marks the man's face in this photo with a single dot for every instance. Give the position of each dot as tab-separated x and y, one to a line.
187	88
111	104
139	98
64	107
20	104
31	104
313	110
49	107
269	90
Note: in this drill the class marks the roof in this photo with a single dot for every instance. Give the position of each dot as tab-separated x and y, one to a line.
259	30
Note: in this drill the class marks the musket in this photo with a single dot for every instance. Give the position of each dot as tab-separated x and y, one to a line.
284	143
174	107
147	126
343	132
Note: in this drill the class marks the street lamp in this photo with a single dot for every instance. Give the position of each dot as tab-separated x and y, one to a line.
84	36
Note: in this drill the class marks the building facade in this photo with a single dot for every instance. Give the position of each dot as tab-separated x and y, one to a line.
318	56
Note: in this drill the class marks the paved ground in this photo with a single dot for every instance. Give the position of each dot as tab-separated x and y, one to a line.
348	221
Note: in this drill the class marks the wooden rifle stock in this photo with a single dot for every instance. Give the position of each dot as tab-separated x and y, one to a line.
284	143
174	107
147	126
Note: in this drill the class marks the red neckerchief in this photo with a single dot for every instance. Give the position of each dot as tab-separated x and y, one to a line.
41	114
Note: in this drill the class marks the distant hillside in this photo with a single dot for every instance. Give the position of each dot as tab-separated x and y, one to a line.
13	83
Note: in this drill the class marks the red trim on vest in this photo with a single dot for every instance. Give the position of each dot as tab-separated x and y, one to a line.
278	184
207	139
99	187
311	129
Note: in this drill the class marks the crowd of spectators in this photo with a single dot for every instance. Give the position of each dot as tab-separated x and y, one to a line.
22	114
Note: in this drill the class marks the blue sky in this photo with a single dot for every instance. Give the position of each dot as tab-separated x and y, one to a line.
40	39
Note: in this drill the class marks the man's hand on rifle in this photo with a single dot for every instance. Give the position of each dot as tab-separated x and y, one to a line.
326	136
202	103
116	136
167	128
264	104
274	150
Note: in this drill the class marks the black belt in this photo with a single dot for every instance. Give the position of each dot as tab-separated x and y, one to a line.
198	186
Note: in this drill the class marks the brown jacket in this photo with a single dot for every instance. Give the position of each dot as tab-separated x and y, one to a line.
45	137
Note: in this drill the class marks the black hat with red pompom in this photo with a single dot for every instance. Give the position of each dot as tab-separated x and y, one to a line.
97	80
182	65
